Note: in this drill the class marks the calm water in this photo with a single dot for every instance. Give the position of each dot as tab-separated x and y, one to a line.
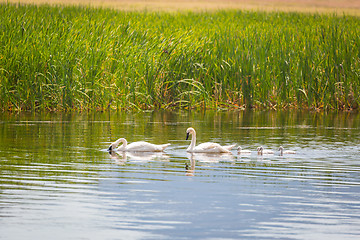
58	182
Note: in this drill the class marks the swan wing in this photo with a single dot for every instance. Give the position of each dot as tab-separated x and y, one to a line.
210	148
163	146
138	147
229	147
145	147
289	152
268	152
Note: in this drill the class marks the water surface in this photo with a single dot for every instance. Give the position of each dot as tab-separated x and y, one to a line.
58	182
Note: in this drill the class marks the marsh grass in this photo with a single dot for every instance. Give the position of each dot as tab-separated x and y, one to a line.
63	58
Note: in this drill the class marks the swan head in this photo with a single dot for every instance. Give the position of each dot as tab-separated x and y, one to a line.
115	144
260	149
189	131
239	149
281	149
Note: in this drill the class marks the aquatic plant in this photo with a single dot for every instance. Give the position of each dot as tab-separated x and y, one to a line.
63	58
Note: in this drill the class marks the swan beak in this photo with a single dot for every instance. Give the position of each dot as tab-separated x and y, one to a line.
187	136
110	148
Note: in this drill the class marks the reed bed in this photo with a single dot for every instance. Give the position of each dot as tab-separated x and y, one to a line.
77	58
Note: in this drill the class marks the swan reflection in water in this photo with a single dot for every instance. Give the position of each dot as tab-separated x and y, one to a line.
210	157
115	156
190	170
122	157
205	158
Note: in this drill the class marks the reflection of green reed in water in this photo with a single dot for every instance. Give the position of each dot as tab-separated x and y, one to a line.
74	57
51	148
81	132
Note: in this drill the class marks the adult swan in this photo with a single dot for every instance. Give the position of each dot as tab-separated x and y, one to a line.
136	146
208	147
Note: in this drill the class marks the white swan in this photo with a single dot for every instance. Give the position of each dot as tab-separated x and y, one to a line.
282	152
136	146
261	151
205	147
241	151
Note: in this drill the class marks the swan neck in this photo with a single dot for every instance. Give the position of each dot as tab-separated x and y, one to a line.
124	142
281	149
193	141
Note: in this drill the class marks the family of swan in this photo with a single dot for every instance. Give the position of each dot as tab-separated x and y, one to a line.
208	147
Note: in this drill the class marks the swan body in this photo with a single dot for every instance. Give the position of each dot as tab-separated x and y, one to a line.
241	151
136	146
261	151
208	147
282	152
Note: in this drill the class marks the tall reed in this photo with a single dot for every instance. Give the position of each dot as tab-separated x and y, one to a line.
62	58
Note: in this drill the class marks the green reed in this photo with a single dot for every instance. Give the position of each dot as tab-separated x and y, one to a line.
63	58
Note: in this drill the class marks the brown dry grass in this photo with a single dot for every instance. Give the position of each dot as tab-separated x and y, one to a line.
351	7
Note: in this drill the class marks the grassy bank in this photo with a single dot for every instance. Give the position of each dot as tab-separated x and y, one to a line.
60	58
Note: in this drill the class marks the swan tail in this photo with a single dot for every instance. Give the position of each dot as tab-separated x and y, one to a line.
163	146
229	147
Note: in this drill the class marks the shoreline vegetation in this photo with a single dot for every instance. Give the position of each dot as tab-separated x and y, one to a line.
59	58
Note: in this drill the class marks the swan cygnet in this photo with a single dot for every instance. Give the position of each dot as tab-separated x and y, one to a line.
136	146
282	152
261	151
208	147
241	151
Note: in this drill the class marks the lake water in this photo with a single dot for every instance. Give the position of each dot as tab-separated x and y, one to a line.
58	182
